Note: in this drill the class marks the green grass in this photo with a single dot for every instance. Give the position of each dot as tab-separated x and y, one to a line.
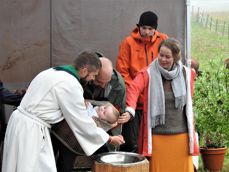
207	45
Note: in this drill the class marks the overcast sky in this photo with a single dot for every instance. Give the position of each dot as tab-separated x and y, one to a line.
211	5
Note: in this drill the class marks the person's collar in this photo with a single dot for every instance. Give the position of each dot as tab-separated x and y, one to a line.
69	69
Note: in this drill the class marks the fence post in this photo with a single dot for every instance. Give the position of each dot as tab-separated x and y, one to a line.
193	12
206	24
211	23
197	15
224	25
228	31
216	25
202	18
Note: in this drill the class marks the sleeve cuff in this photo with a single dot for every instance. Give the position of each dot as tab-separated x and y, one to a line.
130	110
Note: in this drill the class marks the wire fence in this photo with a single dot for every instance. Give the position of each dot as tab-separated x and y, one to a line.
212	23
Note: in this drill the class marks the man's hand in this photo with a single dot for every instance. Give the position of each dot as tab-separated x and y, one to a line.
125	117
116	140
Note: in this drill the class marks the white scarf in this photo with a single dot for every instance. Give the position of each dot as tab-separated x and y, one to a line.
156	97
189	113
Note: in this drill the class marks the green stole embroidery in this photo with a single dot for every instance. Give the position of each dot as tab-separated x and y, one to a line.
69	69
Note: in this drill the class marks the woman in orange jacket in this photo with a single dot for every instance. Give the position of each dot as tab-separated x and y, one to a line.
136	52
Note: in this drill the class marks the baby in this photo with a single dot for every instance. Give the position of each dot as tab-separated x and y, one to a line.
105	116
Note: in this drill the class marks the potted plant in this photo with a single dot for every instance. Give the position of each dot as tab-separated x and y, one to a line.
211	107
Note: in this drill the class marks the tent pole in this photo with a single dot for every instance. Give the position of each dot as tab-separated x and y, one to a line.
188	33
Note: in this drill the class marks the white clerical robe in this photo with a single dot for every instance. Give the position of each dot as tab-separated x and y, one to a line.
51	96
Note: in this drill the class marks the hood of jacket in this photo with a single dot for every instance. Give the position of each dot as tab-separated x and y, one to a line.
149	40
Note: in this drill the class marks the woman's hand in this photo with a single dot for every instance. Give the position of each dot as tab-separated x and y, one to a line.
125	117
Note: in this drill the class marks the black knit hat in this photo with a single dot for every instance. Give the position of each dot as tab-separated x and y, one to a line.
99	54
148	18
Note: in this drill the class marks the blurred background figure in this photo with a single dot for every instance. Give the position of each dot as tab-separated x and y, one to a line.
226	61
10	98
195	65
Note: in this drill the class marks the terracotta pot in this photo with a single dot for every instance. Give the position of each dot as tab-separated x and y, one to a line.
213	158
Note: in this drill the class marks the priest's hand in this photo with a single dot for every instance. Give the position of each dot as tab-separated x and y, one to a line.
116	140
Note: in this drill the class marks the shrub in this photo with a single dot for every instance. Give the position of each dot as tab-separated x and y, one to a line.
211	105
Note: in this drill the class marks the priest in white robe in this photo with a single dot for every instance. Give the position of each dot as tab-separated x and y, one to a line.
53	95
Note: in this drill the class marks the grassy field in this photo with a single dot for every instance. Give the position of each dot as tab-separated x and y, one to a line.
207	45
223	16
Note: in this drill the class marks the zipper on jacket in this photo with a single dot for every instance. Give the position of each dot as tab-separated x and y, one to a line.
147	60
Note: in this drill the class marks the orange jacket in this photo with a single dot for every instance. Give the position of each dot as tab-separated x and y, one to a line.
135	53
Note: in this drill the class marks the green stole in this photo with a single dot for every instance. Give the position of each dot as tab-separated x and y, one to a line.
69	69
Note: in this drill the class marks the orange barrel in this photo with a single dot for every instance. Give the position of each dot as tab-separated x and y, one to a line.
120	161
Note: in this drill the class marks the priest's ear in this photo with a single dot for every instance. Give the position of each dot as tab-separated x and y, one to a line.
83	72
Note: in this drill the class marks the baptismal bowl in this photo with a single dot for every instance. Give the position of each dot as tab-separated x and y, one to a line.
119	158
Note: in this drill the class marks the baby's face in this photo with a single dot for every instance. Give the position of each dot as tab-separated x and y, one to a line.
105	112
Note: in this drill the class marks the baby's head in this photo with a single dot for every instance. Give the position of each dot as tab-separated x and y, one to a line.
108	113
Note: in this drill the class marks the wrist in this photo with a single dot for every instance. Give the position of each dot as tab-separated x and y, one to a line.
130	110
130	115
109	140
